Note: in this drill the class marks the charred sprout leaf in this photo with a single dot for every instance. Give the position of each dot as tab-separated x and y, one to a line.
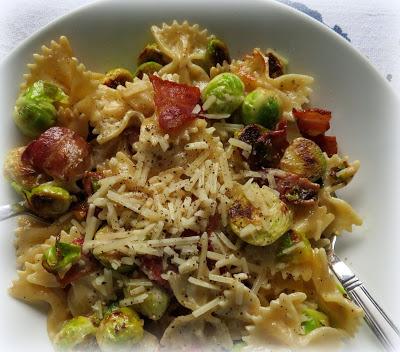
250	133
151	52
35	109
111	259
217	52
262	107
147	68
155	305
275	65
49	201
117	77
59	258
73	333
251	224
313	319
293	247
120	330
304	158
223	94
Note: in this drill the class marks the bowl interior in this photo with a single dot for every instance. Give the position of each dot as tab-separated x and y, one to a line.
365	121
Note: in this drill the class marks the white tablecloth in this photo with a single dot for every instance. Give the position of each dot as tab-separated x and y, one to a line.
373	27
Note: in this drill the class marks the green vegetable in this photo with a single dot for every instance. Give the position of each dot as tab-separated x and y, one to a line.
111	259
117	77
304	158
120	330
59	258
313	319
293	247
155	305
217	52
263	107
151	52
224	93
147	68
73	333
48	201
261	230
35	109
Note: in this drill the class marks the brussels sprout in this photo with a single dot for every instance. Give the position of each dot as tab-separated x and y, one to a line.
59	258
217	52
155	304
73	333
304	158
35	110
313	319
252	225
49	201
111	259
120	330
263	107
147	68
224	93
293	247
151	52
117	77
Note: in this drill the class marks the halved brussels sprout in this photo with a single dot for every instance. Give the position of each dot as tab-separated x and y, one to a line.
155	305
313	319
251	223
35	109
111	259
304	158
293	247
73	333
224	94
263	107
48	201
117	77
151	52
119	330
217	52
59	258
147	68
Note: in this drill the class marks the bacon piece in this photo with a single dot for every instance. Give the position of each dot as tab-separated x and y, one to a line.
268	150
174	103
296	190
312	122
60	153
152	267
328	144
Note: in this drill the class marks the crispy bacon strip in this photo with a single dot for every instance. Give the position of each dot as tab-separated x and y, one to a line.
268	150
312	122
60	153
152	267
174	103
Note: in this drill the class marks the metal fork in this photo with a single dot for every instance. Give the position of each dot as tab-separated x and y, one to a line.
381	325
10	210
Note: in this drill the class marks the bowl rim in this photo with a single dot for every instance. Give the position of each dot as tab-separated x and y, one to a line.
283	6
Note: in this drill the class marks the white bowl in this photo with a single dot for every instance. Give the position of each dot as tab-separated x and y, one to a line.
365	120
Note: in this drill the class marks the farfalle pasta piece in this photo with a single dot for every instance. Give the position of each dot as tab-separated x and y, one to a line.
280	324
74	120
186	333
184	44
58	65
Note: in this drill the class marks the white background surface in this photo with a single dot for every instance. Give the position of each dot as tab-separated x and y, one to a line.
373	26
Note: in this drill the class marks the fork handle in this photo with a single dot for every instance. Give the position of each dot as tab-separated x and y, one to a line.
11	210
383	327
